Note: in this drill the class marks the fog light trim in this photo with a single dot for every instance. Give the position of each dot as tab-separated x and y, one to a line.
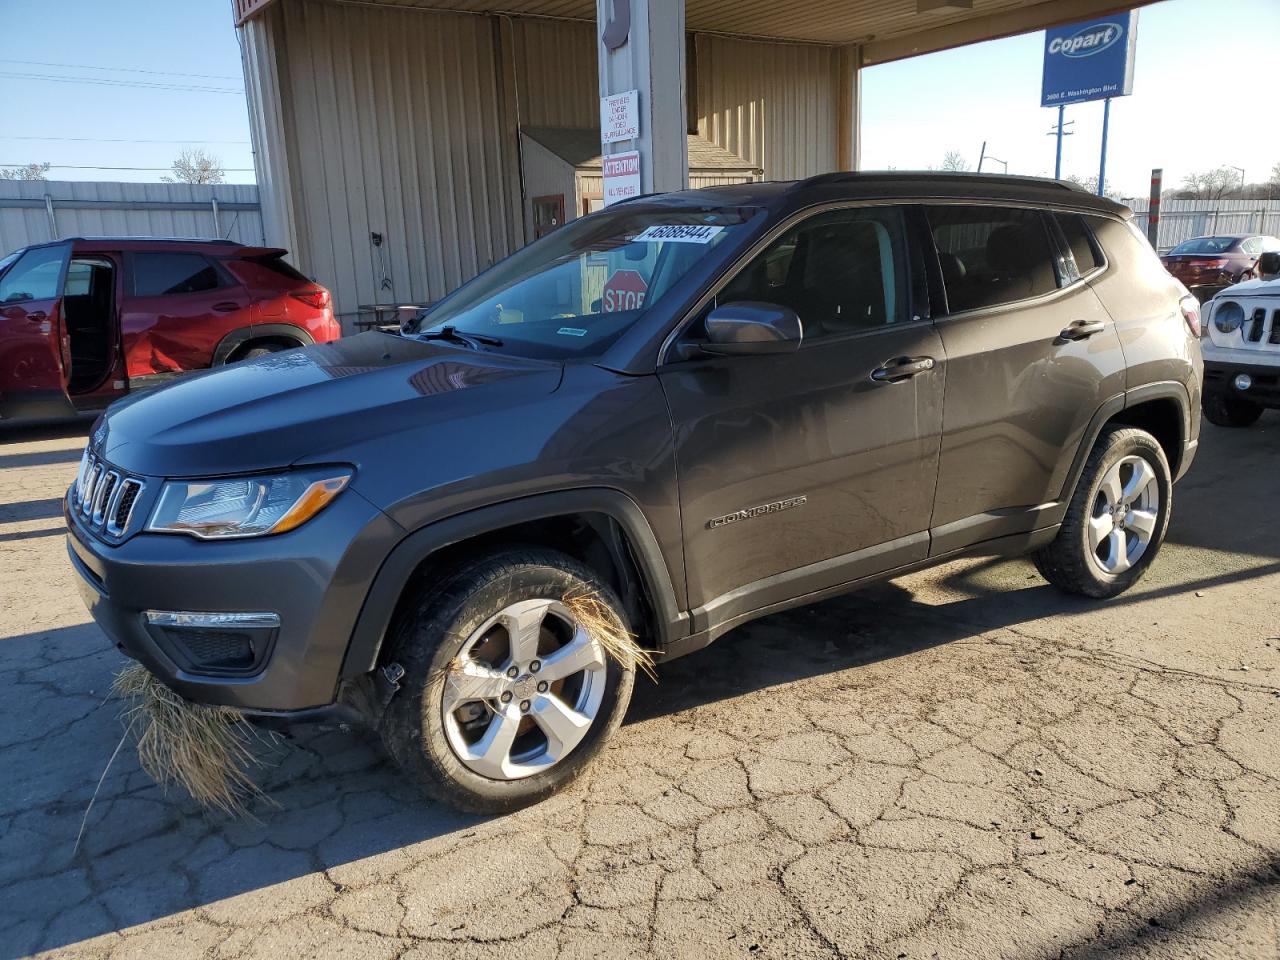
209	621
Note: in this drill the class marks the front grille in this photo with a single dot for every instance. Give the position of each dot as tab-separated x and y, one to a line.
104	496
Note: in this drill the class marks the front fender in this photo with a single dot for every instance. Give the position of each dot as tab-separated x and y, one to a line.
380	604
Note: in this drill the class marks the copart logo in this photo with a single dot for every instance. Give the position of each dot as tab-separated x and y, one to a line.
1087	42
776	507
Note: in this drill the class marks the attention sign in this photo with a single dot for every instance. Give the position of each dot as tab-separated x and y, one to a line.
1089	61
621	176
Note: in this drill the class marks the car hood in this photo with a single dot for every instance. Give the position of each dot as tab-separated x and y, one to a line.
1252	288
308	404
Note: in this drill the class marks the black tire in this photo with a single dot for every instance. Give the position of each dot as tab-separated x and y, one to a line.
1068	562
1228	410
430	636
255	351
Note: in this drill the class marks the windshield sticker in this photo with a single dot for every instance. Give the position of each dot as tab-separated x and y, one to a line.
572	332
678	233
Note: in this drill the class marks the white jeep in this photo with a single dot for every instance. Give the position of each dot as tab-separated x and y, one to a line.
1241	348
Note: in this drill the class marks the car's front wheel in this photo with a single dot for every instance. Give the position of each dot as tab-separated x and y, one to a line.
507	693
1227	410
1117	517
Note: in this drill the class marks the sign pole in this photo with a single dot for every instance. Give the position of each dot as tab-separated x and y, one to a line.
1057	163
1102	163
1153	209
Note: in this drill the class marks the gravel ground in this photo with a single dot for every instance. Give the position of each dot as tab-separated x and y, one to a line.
961	763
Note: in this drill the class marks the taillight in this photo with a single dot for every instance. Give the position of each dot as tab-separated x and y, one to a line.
1213	264
317	297
1190	308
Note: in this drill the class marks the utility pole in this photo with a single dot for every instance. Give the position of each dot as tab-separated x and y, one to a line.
982	155
1059	130
1102	163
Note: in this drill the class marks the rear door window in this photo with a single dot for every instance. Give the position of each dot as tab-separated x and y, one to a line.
992	255
163	274
1085	253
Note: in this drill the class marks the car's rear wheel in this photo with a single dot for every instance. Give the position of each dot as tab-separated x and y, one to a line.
255	350
1228	410
506	695
1117	517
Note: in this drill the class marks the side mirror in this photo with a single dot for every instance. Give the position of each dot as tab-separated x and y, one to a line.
1269	263
748	328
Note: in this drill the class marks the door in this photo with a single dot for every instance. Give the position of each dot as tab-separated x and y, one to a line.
178	308
805	470
33	358
1031	356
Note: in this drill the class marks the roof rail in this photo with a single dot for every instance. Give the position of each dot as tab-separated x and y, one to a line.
865	176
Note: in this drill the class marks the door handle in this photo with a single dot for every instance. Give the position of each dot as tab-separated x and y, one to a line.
1082	329
226	306
37	316
901	368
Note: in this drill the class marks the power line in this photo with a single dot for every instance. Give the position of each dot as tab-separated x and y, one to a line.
6	136
72	166
145	84
158	73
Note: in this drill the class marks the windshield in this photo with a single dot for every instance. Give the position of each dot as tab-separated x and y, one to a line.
576	291
1206	245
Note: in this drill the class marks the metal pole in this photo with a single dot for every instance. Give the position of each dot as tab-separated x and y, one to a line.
982	155
217	228
1057	163
1102	163
53	221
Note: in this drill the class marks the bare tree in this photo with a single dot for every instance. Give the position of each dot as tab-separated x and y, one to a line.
954	161
196	166
1275	174
1091	184
29	171
1211	184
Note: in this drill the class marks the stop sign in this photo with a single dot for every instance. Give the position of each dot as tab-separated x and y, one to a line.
624	290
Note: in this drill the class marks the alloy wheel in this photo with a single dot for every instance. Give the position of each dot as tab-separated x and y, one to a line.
1124	516
523	691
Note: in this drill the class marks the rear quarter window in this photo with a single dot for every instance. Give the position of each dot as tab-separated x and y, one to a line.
268	271
166	274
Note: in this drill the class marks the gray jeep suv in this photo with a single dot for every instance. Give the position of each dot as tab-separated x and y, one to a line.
699	408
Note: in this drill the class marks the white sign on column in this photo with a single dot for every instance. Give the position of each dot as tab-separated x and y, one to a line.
621	176
620	117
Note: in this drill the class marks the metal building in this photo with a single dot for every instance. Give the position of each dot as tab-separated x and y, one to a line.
388	133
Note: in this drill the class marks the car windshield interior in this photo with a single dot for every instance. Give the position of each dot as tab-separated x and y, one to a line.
1205	245
575	291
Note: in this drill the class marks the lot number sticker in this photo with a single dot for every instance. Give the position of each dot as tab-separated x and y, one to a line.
678	233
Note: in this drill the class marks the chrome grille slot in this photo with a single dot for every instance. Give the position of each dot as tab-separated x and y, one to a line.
118	518
102	496
86	498
1275	327
1253	333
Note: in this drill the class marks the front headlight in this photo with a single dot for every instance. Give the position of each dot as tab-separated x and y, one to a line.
246	506
1228	316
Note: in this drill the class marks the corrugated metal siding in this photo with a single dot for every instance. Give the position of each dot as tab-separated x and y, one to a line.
397	123
773	104
87	208
556	68
1183	219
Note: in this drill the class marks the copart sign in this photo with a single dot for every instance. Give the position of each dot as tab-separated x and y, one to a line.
1089	61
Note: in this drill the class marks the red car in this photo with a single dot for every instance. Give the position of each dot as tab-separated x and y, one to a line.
1207	264
84	321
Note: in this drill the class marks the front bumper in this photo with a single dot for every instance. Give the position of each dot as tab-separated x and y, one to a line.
1221	367
315	578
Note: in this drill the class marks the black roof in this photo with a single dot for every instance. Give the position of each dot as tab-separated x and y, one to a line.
906	185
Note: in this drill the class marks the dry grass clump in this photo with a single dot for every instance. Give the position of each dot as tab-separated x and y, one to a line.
599	620
205	749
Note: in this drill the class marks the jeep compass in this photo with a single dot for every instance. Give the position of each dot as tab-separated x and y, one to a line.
695	409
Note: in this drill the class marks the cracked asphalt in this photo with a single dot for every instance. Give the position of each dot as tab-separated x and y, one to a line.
960	763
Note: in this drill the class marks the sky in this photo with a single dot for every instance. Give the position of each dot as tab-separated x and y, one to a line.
130	83
1196	102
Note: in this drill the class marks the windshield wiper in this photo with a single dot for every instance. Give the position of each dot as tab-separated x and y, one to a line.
454	335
